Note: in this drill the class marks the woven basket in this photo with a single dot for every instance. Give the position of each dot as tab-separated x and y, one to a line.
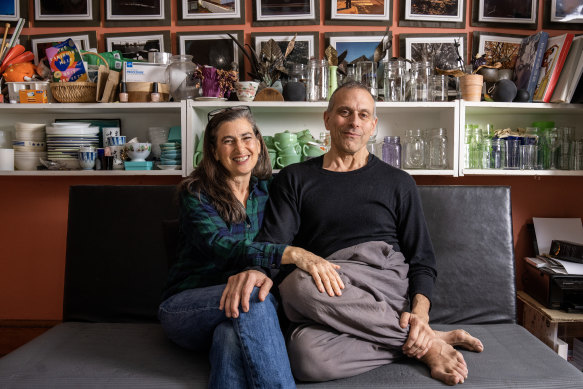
76	92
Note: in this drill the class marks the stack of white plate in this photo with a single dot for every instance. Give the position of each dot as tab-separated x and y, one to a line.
65	138
29	145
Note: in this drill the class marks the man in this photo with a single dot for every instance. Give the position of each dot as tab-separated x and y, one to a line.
366	217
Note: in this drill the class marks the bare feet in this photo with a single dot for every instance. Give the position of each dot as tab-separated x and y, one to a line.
462	339
446	364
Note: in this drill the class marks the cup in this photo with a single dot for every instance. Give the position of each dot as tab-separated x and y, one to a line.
528	154
246	90
272	157
7	159
117	154
439	87
109	131
196	158
268	140
285	160
312	150
86	148
116	140
512	153
87	159
200	142
292	149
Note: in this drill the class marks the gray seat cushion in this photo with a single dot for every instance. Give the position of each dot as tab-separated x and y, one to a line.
111	355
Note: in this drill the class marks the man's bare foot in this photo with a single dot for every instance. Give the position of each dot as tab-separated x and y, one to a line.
461	338
446	364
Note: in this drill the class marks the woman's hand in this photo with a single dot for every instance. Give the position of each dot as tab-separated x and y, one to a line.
322	271
239	288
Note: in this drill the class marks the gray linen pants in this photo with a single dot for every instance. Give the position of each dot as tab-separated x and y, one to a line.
345	335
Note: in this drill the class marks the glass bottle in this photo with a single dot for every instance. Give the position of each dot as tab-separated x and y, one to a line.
181	75
391	153
323	80
414	150
438	149
312	81
476	151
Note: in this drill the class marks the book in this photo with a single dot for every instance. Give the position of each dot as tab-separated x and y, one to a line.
571	73
530	56
551	66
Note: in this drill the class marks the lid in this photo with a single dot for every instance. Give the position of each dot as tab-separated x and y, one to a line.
123	87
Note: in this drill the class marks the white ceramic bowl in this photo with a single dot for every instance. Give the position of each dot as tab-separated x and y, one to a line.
138	152
246	90
29	126
28	160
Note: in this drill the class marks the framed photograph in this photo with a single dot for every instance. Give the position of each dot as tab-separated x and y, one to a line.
285	12
84	40
214	48
357	44
563	14
137	13
12	10
193	12
497	47
137	45
500	13
438	48
66	13
430	13
306	44
347	12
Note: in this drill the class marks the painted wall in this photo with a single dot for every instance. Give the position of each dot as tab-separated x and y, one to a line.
33	210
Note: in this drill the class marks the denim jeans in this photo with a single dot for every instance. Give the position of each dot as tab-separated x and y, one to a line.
246	352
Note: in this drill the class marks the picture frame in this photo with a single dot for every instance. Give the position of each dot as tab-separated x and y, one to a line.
306	44
437	47
190	14
276	13
497	46
341	12
500	13
424	13
135	45
84	40
130	13
561	15
12	10
66	13
356	43
213	48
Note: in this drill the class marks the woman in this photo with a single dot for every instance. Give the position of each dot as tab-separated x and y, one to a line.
221	210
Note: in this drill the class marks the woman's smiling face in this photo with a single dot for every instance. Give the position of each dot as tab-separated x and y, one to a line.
237	147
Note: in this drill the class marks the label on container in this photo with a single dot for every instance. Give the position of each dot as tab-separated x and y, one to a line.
31	96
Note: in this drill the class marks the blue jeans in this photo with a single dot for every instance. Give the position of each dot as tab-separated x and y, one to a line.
247	352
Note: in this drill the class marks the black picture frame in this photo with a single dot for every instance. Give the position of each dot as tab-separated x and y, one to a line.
117	13
20	11
306	45
479	7
480	45
445	53
135	45
333	17
89	13
237	16
265	13
356	43
552	13
408	18
211	47
39	42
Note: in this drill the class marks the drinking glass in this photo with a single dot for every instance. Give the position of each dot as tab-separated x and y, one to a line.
439	87
528	157
366	73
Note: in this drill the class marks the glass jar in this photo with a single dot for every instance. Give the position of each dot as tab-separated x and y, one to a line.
414	150
394	81
565	140
350	73
498	153
438	148
391	151
420	72
317	84
181	75
366	74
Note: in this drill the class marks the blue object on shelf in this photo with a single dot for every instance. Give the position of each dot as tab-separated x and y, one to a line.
138	165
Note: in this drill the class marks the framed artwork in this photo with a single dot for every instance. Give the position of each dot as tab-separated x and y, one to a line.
193	12
438	48
84	40
497	47
430	13
500	13
347	12
357	44
66	13
12	10
137	45
137	13
285	12
306	44
214	48
563	14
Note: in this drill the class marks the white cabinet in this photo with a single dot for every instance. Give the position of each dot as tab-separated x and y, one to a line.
518	115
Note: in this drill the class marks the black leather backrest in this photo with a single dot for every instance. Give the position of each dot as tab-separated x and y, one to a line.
116	257
471	231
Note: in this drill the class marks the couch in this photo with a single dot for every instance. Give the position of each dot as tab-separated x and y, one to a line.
120	240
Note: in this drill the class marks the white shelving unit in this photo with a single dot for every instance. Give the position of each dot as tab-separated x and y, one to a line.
517	115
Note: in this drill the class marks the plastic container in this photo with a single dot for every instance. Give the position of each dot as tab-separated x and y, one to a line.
14	89
143	165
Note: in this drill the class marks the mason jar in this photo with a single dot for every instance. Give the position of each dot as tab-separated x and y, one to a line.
414	150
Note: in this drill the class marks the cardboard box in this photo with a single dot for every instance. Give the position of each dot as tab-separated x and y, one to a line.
144	72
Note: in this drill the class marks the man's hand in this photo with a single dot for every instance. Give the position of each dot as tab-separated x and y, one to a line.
420	334
238	291
322	271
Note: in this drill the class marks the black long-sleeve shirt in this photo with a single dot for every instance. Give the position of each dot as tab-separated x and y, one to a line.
324	211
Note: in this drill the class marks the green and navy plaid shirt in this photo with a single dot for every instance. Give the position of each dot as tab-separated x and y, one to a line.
210	250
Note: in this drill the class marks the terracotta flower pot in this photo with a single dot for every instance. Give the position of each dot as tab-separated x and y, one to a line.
471	87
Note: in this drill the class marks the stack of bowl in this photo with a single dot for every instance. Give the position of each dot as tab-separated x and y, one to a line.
29	145
65	138
157	136
171	156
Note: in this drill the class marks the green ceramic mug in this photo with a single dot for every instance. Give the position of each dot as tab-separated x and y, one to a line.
285	160
313	150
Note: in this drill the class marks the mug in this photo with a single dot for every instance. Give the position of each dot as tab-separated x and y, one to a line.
312	150
272	157
116	153
285	160
285	138
87	159
268	140
197	157
200	142
116	140
294	149
109	131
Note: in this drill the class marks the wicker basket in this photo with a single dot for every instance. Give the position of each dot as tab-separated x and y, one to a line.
76	92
